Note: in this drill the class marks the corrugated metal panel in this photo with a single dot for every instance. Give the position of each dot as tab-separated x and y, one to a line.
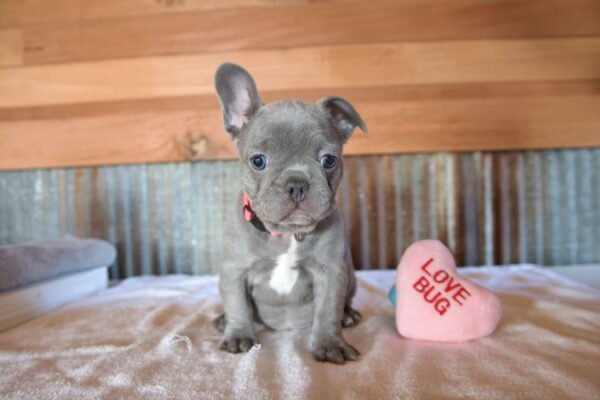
491	208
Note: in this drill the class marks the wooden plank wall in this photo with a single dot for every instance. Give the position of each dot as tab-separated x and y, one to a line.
130	81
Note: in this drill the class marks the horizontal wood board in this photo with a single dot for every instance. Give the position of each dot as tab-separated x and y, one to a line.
131	81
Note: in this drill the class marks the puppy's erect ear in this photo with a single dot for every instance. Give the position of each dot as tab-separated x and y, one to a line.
238	96
343	116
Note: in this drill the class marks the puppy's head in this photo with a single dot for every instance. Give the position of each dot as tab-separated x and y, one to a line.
290	151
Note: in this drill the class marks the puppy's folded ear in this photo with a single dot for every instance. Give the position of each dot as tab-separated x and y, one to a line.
343	116
238	96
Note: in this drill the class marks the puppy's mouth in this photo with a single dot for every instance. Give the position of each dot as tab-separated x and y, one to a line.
296	221
299	217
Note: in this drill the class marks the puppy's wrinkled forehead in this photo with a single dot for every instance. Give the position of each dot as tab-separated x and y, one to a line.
289	127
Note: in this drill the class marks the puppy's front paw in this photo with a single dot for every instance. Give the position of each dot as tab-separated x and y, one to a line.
238	343
335	350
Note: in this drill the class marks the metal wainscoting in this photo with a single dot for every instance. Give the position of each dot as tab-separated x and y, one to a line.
490	208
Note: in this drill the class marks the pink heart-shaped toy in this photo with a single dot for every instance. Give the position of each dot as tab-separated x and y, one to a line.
434	303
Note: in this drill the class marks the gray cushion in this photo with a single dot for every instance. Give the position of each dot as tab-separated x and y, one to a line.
26	263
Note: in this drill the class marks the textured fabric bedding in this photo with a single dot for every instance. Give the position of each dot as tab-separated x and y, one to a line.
151	338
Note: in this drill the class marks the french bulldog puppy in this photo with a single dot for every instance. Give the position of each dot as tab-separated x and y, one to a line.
286	261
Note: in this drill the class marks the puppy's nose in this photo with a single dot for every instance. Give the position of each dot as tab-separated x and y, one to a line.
297	189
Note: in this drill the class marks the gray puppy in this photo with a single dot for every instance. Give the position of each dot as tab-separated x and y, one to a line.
286	262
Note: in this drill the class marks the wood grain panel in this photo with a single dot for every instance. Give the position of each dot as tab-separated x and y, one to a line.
42	12
400	119
485	124
298	25
113	139
11	47
331	67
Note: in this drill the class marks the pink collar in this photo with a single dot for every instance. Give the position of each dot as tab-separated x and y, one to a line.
250	216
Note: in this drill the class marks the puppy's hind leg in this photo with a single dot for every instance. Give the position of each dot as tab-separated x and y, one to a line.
351	317
219	323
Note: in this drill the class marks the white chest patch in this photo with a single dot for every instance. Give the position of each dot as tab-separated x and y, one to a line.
285	273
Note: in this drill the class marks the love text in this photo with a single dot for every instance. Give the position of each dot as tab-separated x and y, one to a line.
439	288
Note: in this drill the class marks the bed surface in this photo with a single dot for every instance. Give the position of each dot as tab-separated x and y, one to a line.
151	337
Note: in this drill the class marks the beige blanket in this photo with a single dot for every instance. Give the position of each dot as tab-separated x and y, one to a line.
151	338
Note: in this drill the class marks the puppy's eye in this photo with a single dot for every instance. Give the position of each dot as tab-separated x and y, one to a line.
258	162
329	161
